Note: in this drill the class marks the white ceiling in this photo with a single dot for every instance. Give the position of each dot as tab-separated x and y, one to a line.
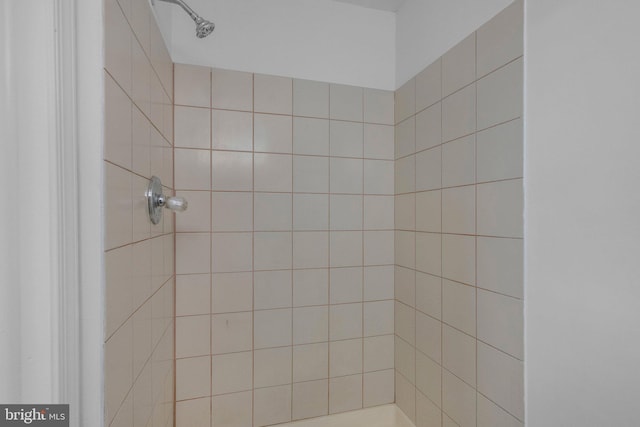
390	5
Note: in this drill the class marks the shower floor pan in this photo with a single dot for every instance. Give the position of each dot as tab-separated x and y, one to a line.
379	416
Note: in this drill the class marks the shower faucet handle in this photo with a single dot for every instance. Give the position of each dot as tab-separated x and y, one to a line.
156	201
178	204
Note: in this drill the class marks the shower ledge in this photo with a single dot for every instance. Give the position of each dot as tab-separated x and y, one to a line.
379	416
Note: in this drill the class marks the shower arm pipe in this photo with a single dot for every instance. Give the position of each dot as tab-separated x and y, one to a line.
186	8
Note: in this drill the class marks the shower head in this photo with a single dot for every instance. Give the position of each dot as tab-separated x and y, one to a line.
203	27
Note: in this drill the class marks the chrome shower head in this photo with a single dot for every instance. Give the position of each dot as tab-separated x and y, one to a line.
203	27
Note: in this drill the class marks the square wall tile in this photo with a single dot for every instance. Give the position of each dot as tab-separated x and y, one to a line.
405	138
429	336
346	139
405	322
428	211
378	177
405	211
272	133
192	85
310	362
346	176
429	253
500	265
378	318
310	174
272	289
379	106
118	207
345	357
405	101
406	396
310	399
500	152
118	124
490	415
231	332
501	39
459	162
405	175
193	294
429	294
501	322
310	287
378	282
118	360
429	169
232	410
232	130
117	45
500	209
458	400
192	336
231	252
198	216
427	413
310	325
429	127
405	248
272	212
459	258
378	353
346	285
378	247
378	213
345	248
345	103
272	328
501	379
231	171
500	95
310	249
405	359
345	212
429	85
273	94
194	412
273	172
459	65
379	142
429	378
310	136
310	98
272	405
272	367
192	253
345	321
231	90
231	373
231	211
193	377
459	306
272	250
459	354
345	393
232	292
310	211
458	210
405	285
459	114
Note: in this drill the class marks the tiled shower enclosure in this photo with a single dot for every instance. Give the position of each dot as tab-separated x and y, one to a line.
344	247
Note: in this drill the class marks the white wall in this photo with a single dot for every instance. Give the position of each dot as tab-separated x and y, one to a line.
310	39
582	213
427	29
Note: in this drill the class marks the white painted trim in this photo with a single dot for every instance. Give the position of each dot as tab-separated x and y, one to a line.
89	36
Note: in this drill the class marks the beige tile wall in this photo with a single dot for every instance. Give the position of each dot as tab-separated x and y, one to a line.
459	233
285	256
139	257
